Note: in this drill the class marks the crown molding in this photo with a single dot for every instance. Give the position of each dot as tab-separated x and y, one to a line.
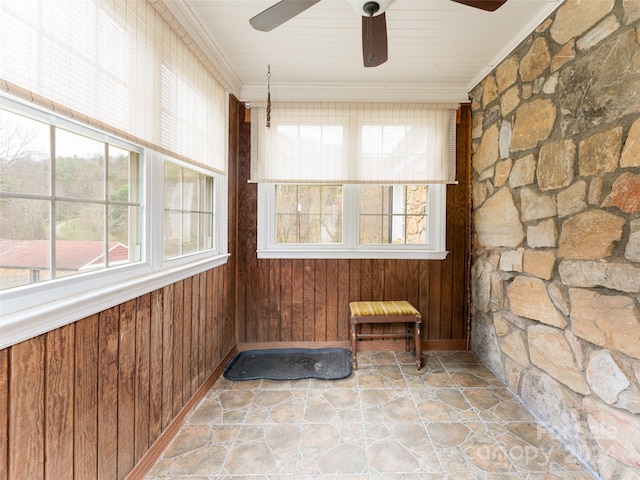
355	93
183	14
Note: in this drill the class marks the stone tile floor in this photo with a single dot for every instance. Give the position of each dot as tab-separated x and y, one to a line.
451	420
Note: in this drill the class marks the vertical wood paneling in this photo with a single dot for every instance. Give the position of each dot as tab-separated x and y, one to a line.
188	377
332	300
195	328
355	278
413	287
461	222
85	417
210	315
155	366
309	305
4	413
59	396
167	355
273	297
141	412
377	279
178	329
297	301
27	410
202	330
286	300
126	388
437	325
366	279
343	300
85	401
320	300
214	317
108	394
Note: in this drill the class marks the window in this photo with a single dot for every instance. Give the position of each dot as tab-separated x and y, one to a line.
188	209
70	202
353	180
106	94
84	226
351	221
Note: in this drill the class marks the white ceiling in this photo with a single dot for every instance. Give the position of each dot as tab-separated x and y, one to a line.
438	50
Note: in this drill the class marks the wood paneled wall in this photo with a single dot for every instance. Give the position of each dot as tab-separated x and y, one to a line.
290	301
88	400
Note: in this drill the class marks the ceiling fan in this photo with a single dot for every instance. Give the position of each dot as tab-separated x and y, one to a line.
374	23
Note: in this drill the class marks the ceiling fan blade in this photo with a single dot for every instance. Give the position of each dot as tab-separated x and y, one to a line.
487	5
277	14
374	40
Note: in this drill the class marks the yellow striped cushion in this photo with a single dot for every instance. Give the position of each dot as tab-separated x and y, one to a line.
368	309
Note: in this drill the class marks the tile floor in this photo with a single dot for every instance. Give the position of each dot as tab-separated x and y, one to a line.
451	420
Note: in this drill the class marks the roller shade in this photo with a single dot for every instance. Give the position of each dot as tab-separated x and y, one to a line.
119	66
401	143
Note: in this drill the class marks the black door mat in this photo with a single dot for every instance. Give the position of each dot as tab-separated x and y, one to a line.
290	364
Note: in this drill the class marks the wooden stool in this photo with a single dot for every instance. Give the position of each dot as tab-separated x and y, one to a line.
385	312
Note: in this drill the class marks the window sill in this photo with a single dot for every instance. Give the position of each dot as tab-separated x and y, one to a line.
361	253
38	318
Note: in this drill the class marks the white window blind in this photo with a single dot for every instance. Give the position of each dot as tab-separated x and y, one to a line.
117	65
343	143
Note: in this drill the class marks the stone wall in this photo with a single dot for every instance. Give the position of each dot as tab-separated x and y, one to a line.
556	225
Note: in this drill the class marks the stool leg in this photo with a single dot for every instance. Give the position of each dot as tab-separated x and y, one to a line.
353	345
418	340
407	338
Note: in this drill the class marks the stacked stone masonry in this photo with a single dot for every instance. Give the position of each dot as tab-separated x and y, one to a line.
556	228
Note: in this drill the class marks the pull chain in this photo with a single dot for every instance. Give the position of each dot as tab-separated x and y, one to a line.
268	96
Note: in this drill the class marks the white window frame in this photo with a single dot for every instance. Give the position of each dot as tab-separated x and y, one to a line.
435	249
30	310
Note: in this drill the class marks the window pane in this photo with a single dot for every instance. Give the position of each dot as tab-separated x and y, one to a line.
371	228
80	244
121	168
124	228
308	214
24	155
24	242
416	227
190	190
80	221
287	228
407	222
374	199
24	219
206	227
286	199
80	169
172	186
189	233
172	234
188	211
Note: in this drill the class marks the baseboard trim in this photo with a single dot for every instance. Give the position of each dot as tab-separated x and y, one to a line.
153	454
365	346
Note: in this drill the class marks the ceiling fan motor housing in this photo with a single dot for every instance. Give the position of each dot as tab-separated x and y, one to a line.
371	8
364	7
